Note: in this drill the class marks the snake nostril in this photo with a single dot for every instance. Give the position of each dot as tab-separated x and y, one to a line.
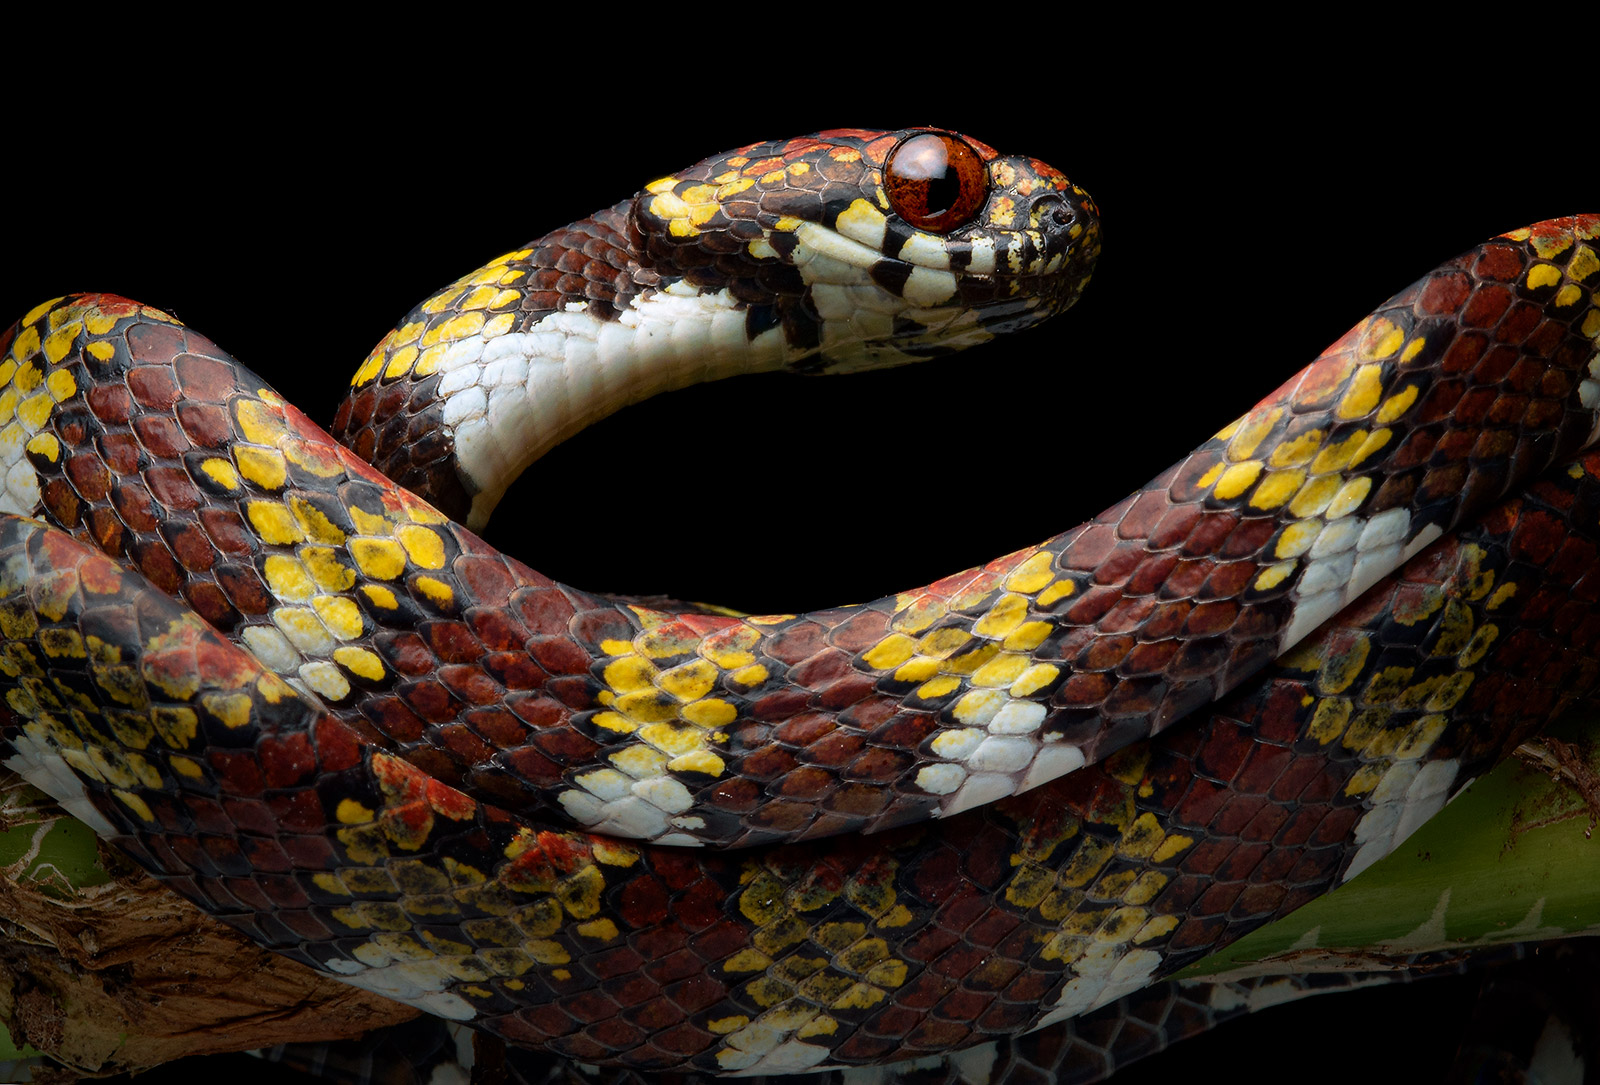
1055	211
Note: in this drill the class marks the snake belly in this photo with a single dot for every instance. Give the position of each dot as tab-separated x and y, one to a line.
251	796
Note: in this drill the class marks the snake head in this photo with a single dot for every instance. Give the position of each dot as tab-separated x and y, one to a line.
866	249
839	251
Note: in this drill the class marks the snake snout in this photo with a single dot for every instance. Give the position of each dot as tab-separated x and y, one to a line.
1059	219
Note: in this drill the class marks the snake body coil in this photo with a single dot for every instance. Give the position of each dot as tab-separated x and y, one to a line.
283	787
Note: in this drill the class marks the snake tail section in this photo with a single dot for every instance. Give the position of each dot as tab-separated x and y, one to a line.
250	799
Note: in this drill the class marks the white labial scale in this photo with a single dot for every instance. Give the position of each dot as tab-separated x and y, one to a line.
1406	797
857	312
982	259
40	765
511	398
416	983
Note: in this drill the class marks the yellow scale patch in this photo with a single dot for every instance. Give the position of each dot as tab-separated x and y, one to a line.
123	748
31	384
690	207
1357	708
1304	473
671	709
482	303
515	916
801	972
1091	903
991	655
322	562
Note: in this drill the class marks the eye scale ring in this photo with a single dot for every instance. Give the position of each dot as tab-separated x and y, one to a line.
935	181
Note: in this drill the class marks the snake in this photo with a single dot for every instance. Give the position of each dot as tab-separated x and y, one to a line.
663	836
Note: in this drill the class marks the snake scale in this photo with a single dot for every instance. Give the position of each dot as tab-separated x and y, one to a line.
284	788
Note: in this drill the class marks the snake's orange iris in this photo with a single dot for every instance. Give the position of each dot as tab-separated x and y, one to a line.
935	181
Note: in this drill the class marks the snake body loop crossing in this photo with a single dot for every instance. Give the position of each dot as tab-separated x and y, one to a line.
348	727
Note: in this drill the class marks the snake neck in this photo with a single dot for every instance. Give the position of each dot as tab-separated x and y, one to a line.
510	361
488	374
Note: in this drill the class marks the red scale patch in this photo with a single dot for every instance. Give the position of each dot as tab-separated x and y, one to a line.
558	655
237	771
1500	262
89	475
161	435
299	812
453	642
61	502
172	487
153	387
157	344
244	588
462	744
134	506
1444	293
497	726
208	380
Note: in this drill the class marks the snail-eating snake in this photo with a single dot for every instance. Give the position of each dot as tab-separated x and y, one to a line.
868	949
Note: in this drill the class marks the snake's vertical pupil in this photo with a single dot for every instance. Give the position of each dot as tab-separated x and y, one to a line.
935	181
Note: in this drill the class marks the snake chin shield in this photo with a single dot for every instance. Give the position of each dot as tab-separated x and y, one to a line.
278	671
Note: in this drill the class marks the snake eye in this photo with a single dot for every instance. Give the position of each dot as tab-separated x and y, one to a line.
935	181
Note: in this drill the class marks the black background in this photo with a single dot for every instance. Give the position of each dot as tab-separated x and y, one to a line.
1257	201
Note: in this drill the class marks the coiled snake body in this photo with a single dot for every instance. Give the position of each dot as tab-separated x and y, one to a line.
284	788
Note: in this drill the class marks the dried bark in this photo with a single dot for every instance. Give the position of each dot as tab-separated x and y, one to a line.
106	971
